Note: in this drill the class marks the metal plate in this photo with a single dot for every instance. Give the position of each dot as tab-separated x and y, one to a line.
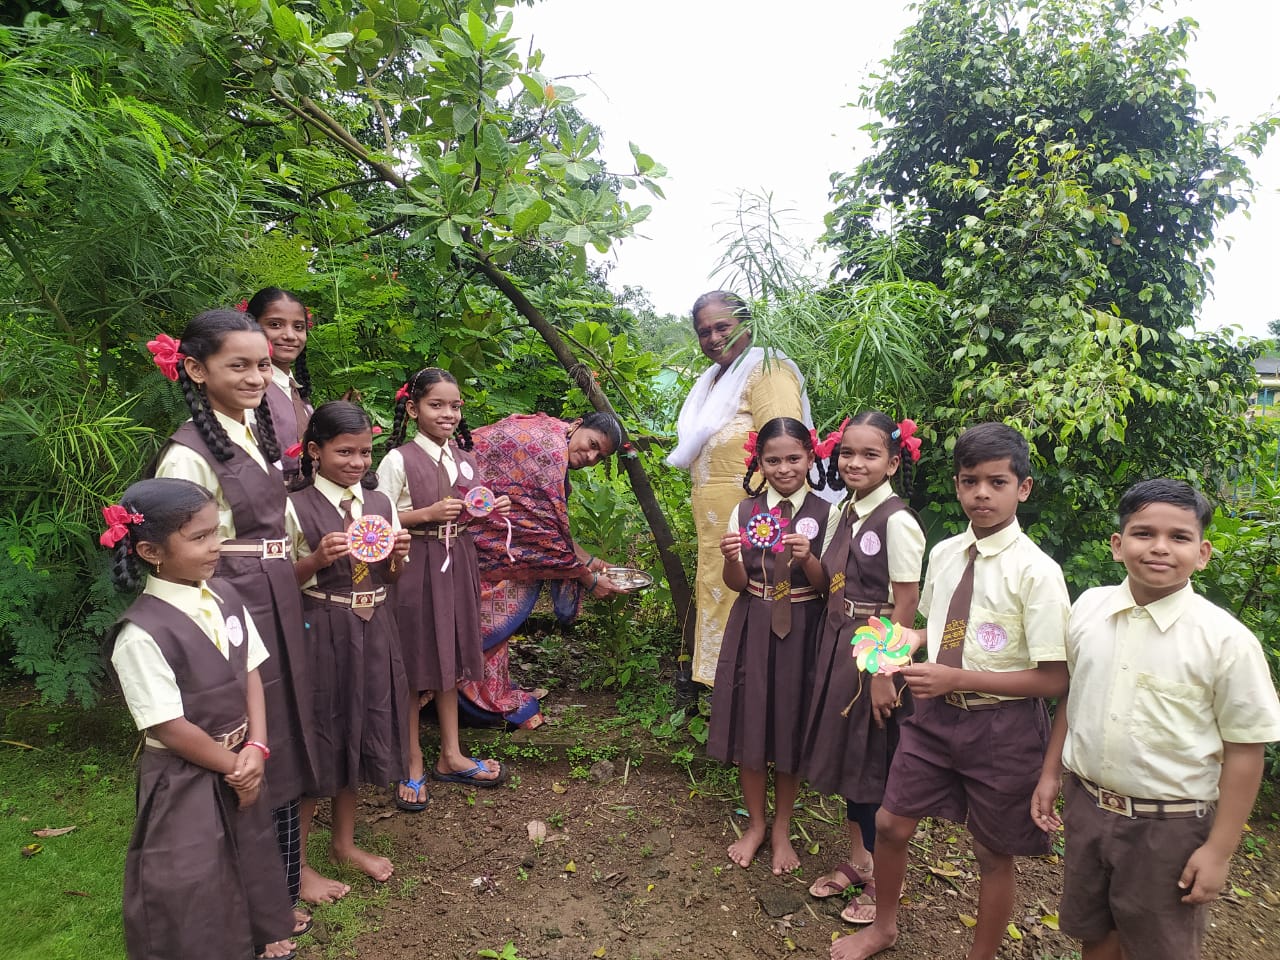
628	579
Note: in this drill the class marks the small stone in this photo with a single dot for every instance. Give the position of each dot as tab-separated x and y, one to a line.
656	843
602	771
778	902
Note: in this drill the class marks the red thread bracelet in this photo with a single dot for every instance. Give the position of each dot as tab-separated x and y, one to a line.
266	753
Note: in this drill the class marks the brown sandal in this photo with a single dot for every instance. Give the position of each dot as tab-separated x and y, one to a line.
861	910
853	877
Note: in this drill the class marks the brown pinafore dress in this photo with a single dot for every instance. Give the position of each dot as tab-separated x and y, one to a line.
361	701
288	430
203	878
257	499
439	612
762	683
850	755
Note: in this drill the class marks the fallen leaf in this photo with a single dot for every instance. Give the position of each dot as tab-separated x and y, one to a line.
1050	920
598	952
1238	891
968	921
31	849
941	869
570	867
649	888
51	832
537	830
559	788
813	848
1014	932
789	944
381	815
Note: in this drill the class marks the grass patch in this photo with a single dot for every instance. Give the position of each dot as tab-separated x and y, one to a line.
66	898
339	924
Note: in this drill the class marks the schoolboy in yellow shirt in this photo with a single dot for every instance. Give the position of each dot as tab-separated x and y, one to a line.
1161	738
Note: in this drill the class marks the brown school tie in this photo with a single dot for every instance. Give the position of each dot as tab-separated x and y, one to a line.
951	653
781	614
300	414
359	569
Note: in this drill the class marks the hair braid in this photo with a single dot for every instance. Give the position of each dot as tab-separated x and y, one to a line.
464	435
124	566
302	375
267	441
211	431
399	424
752	467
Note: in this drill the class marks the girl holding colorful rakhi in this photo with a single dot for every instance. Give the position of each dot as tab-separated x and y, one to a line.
763	678
350	550
873	568
229	447
430	480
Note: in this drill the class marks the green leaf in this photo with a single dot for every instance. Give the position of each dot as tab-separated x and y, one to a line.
286	23
449	233
494	151
531	216
336	41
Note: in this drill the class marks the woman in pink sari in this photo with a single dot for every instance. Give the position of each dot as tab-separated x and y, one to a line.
528	457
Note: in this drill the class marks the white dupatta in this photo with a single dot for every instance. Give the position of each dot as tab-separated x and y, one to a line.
713	403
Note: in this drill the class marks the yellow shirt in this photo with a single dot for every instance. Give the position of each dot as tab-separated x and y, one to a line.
335	495
149	685
1020	604
1156	690
772	498
906	539
180	461
393	481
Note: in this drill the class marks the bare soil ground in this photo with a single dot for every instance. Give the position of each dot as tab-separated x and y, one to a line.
633	865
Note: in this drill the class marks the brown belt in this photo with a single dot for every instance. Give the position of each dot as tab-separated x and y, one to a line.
356	600
977	701
438	531
229	740
266	549
1147	809
855	609
798	594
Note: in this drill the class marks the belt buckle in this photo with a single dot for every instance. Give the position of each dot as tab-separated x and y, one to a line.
849	608
1115	803
273	549
957	700
235	737
362	600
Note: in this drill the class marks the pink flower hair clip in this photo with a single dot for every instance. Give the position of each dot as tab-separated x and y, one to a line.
166	353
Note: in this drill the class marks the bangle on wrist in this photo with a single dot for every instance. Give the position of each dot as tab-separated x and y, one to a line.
595	578
258	744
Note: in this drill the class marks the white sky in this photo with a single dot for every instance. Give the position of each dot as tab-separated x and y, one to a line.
752	95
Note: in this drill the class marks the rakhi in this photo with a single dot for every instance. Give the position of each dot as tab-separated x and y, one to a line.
371	538
480	502
880	647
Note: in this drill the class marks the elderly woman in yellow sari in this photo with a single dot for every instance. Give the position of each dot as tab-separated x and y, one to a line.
741	391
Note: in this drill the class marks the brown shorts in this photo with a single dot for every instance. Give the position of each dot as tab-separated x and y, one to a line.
1122	874
975	767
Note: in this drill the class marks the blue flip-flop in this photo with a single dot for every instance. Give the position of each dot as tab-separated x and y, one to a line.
412	806
470	777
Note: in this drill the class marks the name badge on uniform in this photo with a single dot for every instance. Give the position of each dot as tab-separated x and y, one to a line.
869	544
235	631
465	470
992	637
807	527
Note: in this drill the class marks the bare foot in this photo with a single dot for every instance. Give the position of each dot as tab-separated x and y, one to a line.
744	851
317	888
375	867
281	948
784	855
301	921
866	944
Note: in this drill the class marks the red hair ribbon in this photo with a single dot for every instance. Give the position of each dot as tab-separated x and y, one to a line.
824	448
402	393
295	451
243	306
376	429
310	323
750	447
166	354
118	521
908	440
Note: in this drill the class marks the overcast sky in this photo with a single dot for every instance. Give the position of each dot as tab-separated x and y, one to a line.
754	95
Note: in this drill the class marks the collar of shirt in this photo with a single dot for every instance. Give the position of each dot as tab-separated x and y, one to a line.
772	498
242	436
991	545
863	506
1164	612
182	596
434	450
336	494
280	378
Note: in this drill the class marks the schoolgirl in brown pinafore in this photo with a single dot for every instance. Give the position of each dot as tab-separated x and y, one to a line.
285	320
203	877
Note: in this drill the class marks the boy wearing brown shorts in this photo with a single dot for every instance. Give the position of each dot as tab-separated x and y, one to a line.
1161	738
971	753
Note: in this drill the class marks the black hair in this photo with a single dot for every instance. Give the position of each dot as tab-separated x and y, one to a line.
726	298
201	340
986	442
258	304
607	425
166	504
1162	490
331	420
415	390
779	427
892	442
